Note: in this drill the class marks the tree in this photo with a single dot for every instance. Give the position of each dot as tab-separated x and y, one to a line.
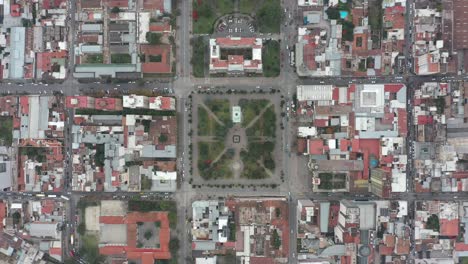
140	82
26	22
174	245
16	217
275	240
433	223
162	138
204	9
115	9
333	13
148	234
269	17
81	228
153	38
277	212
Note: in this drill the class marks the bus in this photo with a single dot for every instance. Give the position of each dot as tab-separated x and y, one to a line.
65	197
71	239
51	195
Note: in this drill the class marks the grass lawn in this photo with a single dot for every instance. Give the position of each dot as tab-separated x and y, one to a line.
98	58
265	126
121	58
207	11
219	170
271	59
224	6
258	152
89	249
208	151
329	181
198	57
251	109
269	16
247	6
207	126
6	131
221	108
203	25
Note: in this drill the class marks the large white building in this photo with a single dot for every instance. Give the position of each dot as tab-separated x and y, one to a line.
225	58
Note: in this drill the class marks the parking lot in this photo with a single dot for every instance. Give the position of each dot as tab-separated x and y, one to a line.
235	26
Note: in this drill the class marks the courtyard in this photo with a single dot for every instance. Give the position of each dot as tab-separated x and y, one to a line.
235	137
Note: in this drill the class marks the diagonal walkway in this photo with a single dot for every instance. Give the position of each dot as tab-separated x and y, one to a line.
211	113
258	116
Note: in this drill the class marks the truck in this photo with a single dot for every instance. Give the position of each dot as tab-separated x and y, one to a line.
292	58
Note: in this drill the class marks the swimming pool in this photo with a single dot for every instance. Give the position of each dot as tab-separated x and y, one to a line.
343	14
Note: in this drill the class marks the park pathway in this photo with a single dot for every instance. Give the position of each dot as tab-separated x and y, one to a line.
258	116
211	114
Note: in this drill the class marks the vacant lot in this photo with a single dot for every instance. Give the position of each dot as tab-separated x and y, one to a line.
6	131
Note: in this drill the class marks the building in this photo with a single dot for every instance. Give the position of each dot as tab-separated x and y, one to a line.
224	56
210	224
118	231
135	101
162	103
83	102
236	114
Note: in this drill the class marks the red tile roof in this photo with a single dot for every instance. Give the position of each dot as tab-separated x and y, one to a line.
77	101
232	42
154	5
164	66
15	10
117	3
321	122
235	59
47	206
160	27
108	104
316	147
425	120
402	122
55	251
131	220
393	88
24	103
44	59
2	214
449	227
309	56
385	251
